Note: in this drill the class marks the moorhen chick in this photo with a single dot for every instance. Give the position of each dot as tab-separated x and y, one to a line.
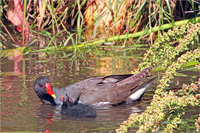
76	109
113	89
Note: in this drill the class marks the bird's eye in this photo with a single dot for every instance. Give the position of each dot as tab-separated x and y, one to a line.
40	85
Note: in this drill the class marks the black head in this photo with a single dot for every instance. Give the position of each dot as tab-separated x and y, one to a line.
44	90
68	102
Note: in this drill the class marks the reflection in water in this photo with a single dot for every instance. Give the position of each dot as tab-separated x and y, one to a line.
44	115
21	110
48	118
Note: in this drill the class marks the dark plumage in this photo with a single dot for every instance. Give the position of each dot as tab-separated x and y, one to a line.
76	109
113	89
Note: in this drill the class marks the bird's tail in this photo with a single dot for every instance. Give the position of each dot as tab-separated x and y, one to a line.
138	92
133	81
126	86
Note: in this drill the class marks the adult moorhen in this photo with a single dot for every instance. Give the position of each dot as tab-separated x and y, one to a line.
113	89
76	109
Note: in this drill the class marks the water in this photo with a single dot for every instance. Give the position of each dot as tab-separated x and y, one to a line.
21	110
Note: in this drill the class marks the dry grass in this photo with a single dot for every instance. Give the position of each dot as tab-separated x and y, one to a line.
106	17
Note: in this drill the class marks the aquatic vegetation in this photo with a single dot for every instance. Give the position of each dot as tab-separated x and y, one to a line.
167	107
173	50
102	19
164	113
171	45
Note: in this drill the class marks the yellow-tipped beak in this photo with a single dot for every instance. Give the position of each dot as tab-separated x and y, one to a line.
54	96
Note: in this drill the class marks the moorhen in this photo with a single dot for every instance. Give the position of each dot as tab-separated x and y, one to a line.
113	89
76	109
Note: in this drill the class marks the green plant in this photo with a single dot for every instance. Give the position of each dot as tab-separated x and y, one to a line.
167	107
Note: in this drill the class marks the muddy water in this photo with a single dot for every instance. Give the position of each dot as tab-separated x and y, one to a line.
21	110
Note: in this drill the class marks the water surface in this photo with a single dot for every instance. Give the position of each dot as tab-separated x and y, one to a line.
21	110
